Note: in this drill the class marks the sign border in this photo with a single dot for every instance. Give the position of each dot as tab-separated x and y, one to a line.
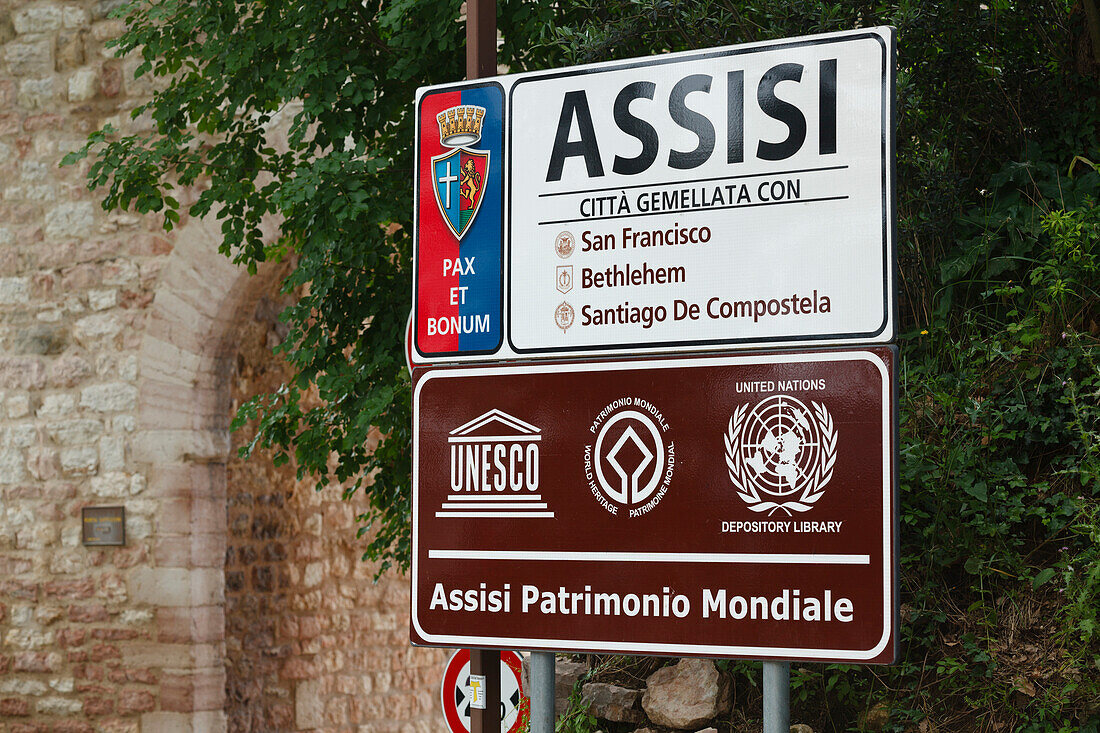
885	333
890	581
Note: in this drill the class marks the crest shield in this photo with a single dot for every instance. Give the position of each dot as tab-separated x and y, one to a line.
459	178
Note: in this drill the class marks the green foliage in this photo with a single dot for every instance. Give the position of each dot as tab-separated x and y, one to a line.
997	238
577	718
344	74
1082	583
999	426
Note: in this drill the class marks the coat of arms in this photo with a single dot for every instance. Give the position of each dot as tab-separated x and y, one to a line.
781	454
462	173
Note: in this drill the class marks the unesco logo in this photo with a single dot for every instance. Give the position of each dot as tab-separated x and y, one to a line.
494	470
631	463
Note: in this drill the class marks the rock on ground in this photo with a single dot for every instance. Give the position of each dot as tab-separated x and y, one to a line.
611	702
686	695
566	674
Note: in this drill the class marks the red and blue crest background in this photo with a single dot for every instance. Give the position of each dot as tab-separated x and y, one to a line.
439	228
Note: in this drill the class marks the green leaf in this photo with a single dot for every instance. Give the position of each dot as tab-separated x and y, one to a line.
1042	577
978	490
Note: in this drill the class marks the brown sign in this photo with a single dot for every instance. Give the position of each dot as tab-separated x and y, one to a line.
734	506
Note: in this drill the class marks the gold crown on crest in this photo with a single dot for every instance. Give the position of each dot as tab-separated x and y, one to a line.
460	125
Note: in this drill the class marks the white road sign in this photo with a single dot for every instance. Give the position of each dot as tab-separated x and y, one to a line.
737	197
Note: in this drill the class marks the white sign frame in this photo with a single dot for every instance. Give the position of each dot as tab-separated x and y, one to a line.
521	343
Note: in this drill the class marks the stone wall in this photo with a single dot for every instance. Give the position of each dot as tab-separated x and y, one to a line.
311	641
117	349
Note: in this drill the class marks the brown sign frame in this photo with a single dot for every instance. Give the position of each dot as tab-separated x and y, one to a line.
433	560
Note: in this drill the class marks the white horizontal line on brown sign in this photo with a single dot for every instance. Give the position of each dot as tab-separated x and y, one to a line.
705	557
488	514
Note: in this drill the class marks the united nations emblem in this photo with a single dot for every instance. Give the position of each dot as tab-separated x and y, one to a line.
564	244
781	454
563	316
460	174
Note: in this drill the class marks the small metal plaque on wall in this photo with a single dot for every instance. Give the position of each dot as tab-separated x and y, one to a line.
104	525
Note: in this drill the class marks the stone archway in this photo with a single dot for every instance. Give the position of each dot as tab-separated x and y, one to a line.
311	641
324	648
181	443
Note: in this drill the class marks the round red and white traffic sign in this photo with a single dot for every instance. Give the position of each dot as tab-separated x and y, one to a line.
455	693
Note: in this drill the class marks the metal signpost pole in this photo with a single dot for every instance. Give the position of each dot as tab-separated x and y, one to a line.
777	709
481	38
481	61
485	667
542	692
